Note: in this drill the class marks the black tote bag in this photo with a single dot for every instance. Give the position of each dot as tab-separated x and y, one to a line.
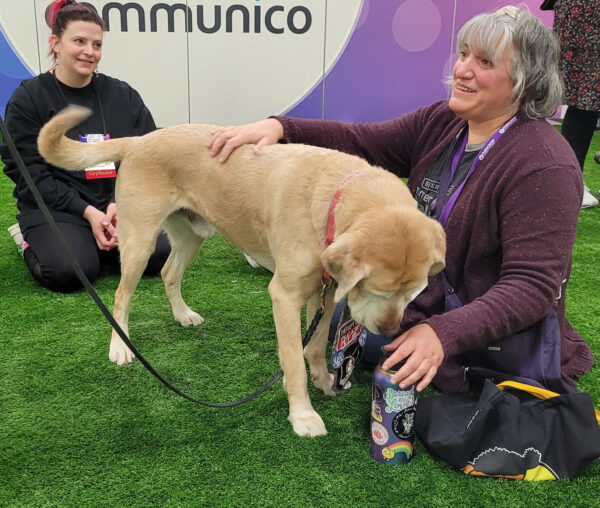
512	431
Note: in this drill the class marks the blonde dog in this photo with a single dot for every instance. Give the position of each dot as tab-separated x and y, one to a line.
274	206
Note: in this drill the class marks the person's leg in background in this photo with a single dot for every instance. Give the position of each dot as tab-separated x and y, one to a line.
110	260
51	267
159	256
49	263
578	128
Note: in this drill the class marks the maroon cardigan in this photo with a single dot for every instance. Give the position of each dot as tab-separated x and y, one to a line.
509	237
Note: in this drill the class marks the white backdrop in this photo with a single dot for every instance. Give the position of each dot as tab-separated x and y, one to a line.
193	76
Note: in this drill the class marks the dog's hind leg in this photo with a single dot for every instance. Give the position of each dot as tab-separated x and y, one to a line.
314	351
136	244
182	228
286	312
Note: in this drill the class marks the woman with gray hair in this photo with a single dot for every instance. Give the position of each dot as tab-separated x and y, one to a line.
510	204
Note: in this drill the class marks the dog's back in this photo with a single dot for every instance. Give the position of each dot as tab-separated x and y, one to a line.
171	169
249	197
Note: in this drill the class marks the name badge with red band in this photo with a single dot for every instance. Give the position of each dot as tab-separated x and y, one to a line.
105	169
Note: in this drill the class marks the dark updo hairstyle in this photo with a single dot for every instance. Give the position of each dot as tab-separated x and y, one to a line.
61	12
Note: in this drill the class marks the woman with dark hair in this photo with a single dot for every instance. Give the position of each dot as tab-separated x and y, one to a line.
82	203
510	204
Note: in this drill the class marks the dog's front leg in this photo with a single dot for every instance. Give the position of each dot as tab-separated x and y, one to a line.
286	313
315	349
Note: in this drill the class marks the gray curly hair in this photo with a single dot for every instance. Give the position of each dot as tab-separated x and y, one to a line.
535	72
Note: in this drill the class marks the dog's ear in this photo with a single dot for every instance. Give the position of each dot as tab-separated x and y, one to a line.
342	259
439	250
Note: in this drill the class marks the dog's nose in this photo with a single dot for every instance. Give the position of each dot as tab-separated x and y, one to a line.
388	322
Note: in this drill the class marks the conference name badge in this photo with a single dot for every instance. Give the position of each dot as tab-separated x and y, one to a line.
105	169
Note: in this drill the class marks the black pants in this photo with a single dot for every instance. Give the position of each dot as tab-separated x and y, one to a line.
578	128
50	266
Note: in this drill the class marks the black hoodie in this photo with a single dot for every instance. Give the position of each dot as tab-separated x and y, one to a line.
67	193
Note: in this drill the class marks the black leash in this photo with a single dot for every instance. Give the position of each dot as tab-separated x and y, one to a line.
92	292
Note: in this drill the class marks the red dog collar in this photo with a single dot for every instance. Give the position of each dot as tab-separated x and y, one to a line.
331	222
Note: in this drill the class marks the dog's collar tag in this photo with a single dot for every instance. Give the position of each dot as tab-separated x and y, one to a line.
348	344
104	169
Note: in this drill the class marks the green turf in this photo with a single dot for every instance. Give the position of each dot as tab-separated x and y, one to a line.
77	430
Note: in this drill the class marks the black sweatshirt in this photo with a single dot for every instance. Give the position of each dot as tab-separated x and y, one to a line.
67	193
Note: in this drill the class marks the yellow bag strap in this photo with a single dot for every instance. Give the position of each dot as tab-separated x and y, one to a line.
540	393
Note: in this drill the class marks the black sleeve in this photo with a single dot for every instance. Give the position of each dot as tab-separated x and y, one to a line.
390	144
24	123
141	118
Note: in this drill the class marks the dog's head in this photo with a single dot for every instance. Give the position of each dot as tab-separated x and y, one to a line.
382	263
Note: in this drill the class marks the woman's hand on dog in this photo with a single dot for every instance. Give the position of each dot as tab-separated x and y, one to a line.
104	225
225	140
423	352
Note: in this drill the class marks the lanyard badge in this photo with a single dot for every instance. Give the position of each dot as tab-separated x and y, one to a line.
442	206
105	169
348	344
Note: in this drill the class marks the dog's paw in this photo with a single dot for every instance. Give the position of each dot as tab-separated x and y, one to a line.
308	423
119	353
189	318
324	382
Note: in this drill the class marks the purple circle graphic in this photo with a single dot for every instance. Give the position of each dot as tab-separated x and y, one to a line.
416	25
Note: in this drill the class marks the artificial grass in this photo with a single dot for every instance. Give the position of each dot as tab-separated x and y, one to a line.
77	430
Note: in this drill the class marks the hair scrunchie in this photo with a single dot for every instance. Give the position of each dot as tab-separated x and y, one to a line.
54	7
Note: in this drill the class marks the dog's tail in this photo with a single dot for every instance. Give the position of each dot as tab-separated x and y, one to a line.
65	153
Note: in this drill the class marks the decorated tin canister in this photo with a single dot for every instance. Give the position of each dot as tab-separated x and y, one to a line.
392	417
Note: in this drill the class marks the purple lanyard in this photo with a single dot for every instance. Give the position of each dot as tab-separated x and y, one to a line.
442	213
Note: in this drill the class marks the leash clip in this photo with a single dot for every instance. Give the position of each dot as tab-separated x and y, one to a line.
326	283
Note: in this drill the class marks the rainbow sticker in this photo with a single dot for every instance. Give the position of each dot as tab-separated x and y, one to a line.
406	447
